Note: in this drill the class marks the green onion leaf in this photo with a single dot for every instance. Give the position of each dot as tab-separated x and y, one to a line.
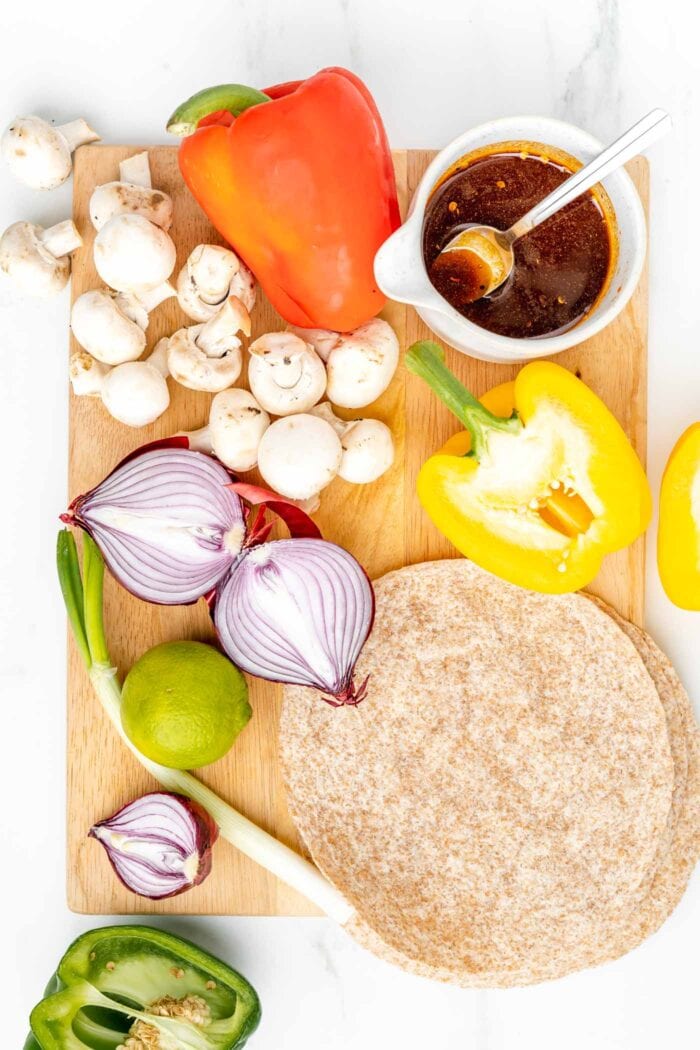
72	589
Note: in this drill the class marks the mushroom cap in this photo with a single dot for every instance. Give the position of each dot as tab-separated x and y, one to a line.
132	254
29	263
210	276
285	373
36	153
193	368
299	455
236	426
101	326
126	198
135	393
362	365
368	451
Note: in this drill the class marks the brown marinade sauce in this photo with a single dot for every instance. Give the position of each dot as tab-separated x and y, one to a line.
561	269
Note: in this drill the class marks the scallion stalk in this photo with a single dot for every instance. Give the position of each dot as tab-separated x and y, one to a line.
83	597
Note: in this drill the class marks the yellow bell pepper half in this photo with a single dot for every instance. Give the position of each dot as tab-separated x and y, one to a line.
544	482
679	522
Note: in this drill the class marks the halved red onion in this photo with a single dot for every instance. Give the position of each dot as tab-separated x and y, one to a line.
167	523
159	845
297	611
171	527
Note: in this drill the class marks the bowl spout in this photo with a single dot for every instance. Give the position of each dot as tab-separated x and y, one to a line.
399	269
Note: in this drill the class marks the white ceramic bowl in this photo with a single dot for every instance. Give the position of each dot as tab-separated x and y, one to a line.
400	271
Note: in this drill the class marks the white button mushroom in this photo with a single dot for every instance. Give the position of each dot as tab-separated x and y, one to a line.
360	364
132	194
111	326
132	254
285	373
135	393
368	447
37	260
210	276
236	426
208	356
38	154
299	455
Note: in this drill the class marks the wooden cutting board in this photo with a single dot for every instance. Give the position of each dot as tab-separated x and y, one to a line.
382	524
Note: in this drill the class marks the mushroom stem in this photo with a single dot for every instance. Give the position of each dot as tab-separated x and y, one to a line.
77	133
136	170
61	239
159	357
214	337
200	440
87	375
153	297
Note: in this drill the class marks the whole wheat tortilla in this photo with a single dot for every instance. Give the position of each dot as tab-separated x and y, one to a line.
682	838
499	800
667	877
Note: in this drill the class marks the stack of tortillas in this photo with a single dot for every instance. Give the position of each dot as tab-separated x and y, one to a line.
517	797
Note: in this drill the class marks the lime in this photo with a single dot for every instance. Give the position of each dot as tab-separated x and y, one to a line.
184	704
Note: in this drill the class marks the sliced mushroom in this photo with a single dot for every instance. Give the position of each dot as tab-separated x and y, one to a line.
208	356
132	254
111	326
360	364
299	455
135	393
285	373
37	260
39	154
236	426
209	277
132	194
368	447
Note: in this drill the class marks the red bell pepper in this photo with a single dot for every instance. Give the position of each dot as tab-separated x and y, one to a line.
299	180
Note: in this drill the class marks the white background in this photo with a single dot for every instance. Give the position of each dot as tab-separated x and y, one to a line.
435	68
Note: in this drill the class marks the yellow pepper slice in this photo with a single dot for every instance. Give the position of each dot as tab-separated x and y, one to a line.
678	549
542	485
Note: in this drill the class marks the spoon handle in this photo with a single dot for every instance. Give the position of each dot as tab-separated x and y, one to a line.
634	141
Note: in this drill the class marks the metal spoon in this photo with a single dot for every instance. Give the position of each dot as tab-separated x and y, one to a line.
487	253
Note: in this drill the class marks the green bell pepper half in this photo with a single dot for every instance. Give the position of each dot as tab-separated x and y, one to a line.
111	978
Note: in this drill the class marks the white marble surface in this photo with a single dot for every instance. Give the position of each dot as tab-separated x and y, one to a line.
435	68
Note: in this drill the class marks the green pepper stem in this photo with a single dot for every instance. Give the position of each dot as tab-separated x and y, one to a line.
235	98
427	360
84	601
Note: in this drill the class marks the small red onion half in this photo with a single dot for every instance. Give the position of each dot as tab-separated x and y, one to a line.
297	611
159	845
167	523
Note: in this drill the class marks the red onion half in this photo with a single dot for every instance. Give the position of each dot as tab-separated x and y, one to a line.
167	523
159	845
171	526
297	611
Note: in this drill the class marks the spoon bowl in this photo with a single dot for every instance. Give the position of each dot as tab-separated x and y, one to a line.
478	259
